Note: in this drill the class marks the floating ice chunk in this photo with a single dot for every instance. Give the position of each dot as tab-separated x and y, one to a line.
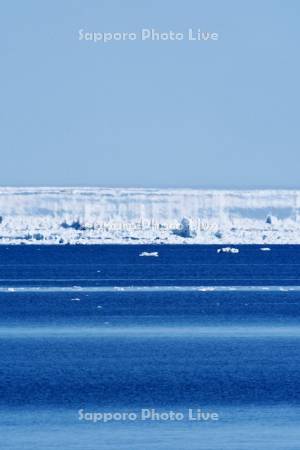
228	250
155	254
76	299
11	289
265	249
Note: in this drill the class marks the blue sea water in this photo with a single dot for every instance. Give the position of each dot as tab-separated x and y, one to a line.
102	329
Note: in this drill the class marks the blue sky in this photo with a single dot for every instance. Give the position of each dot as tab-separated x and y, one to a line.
141	113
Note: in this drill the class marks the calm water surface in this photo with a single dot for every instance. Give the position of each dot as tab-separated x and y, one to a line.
80	329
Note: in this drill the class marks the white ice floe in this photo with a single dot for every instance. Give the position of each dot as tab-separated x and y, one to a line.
159	288
155	254
228	250
75	299
265	249
148	216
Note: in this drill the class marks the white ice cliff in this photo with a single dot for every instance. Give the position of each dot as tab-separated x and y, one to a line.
111	215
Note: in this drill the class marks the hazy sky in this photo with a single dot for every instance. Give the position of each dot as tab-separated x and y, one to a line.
221	113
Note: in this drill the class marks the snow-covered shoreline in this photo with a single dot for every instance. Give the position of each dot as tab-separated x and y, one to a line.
131	215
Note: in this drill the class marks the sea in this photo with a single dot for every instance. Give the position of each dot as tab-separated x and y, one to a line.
139	347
